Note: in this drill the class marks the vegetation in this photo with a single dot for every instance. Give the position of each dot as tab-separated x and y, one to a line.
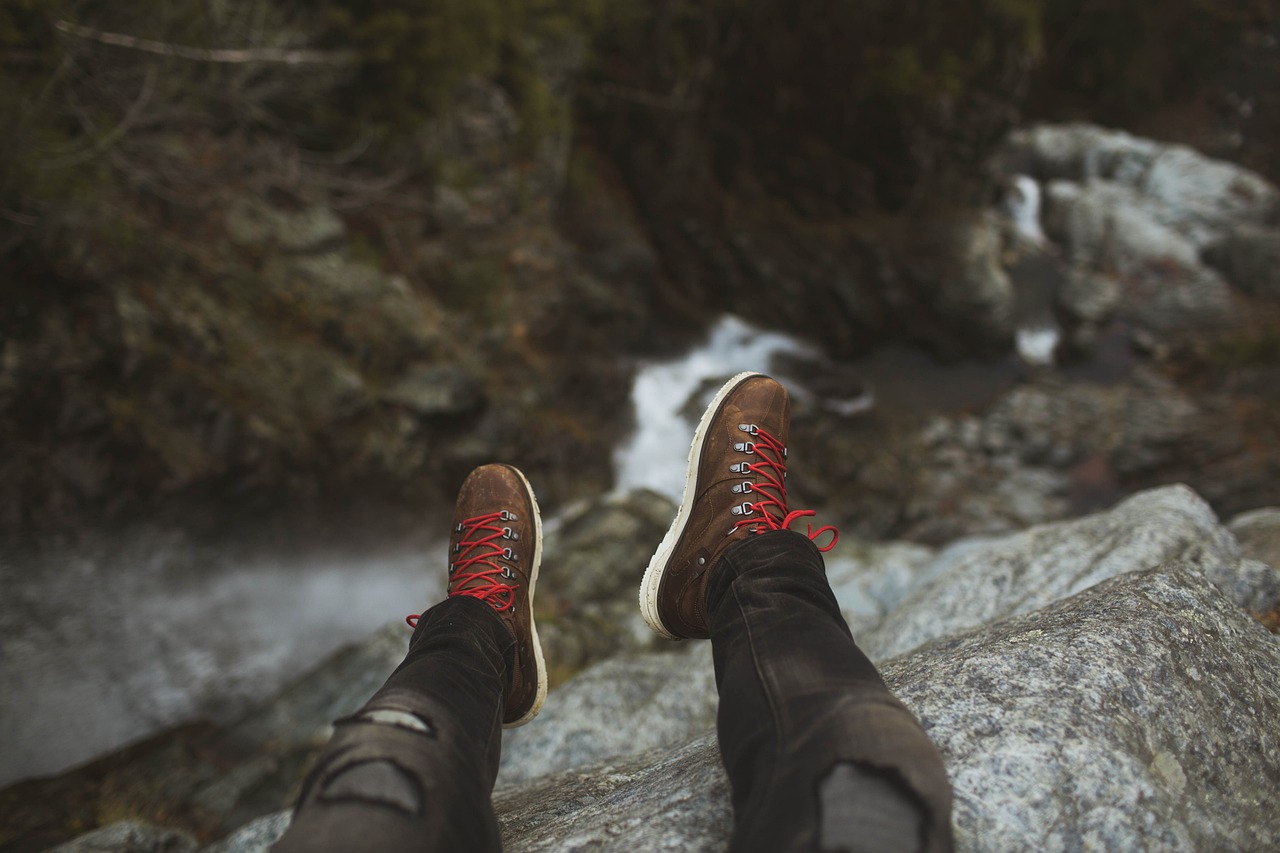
1115	60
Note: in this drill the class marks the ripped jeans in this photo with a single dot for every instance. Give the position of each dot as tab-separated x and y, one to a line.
820	755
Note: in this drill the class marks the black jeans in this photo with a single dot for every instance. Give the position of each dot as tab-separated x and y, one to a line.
819	754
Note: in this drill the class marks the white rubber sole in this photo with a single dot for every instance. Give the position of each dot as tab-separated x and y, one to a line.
658	564
541	665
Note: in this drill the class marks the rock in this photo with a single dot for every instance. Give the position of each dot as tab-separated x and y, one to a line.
1031	569
254	837
324	387
620	707
1079	152
597	548
437	390
1193	195
596	553
1249	256
1204	195
1136	710
254	223
1089	296
331	279
1102	224
1045	450
870	578
1133	714
1258	532
129	836
676	800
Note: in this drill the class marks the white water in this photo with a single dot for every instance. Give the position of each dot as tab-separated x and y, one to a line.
1024	209
1036	342
103	646
656	455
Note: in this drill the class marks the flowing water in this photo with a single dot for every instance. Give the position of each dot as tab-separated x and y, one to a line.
107	644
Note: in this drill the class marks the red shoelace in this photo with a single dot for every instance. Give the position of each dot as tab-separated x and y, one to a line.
772	489
475	558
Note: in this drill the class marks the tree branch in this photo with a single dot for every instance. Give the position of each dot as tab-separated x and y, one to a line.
283	56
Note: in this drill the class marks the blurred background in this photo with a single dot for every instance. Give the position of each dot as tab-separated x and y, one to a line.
274	276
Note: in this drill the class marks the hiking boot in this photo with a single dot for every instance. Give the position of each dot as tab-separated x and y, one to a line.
494	551
736	486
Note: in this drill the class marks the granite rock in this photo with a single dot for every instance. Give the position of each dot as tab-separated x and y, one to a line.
1194	195
1135	714
257	836
1028	570
1249	256
1258	532
129	836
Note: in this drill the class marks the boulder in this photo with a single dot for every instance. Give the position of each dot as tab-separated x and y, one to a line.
1132	715
1194	195
1028	570
1258	532
129	836
257	836
1249	256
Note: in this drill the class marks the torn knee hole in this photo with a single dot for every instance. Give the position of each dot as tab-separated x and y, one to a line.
379	781
391	717
868	809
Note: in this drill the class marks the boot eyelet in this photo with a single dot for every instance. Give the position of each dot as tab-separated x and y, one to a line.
508	533
507	515
507	553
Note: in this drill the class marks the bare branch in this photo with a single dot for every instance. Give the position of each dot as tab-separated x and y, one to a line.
223	55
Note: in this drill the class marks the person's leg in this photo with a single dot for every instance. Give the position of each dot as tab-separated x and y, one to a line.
414	768
820	755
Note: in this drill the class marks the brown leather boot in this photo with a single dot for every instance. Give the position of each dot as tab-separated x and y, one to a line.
735	487
495	548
